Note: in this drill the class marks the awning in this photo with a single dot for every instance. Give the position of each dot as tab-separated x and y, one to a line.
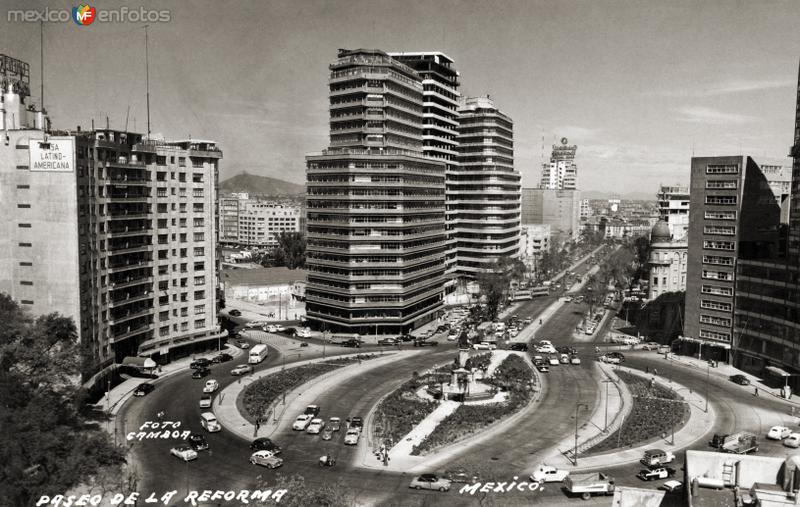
778	371
710	343
139	362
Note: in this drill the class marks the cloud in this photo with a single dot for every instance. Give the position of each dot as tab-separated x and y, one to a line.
710	116
726	88
575	133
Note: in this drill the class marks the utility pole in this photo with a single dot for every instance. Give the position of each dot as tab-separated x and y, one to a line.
708	372
578	406
147	76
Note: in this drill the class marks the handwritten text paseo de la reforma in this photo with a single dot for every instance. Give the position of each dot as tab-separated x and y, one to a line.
243	496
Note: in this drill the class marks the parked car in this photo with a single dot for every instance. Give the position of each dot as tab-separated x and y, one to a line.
265	444
334	424
353	342
203	372
279	328
184	452
520	347
235	313
197	441
356	422
302	422
617	355
205	401
303	333
211	386
242	369
242	344
352	435
548	473
672	486
793	441
425	343
199	364
575	359
543	368
270	328
484	346
651	346
388	341
316	426
553	361
778	433
222	358
717	440
740	379
656	457
266	459
144	389
430	481
656	473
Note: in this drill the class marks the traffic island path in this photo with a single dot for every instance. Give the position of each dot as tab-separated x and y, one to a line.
231	419
693	430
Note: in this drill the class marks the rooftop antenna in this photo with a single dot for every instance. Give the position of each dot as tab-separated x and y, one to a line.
41	58
127	114
147	76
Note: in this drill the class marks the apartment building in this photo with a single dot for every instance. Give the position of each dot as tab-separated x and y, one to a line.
733	216
260	222
485	190
229	220
534	241
560	209
440	96
561	173
667	261
673	208
375	206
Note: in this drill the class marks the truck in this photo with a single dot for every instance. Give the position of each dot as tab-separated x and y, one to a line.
740	443
257	354
586	485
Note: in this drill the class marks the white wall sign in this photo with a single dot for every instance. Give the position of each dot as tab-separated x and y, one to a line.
53	155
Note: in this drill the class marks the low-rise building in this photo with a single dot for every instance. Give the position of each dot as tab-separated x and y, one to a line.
667	262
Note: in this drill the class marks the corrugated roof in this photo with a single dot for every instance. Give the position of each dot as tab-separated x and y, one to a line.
263	276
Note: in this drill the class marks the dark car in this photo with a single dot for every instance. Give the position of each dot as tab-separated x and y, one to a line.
222	358
144	389
443	328
461	475
312	410
235	313
265	444
200	363
200	373
388	341
356	422
351	343
198	442
520	347
717	440
740	379
425	343
304	344
616	355
406	338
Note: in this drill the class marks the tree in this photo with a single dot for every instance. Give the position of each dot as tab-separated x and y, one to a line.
493	286
290	251
45	445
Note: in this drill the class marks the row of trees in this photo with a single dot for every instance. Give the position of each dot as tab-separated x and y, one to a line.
48	443
494	283
621	271
289	252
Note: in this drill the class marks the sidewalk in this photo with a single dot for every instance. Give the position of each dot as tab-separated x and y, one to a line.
402	450
694	428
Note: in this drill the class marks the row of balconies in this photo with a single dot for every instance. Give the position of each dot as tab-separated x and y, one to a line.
404	274
310	297
345	291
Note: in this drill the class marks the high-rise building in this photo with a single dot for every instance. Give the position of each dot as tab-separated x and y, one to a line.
376	237
560	209
673	208
586	209
229	220
116	231
485	189
561	173
733	216
440	96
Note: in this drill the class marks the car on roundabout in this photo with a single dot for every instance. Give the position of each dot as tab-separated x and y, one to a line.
553	361
651	346
327	434
388	341
430	481
199	364
144	389
672	486
266	459
197	442
519	347
242	369
352	436
222	358
574	359
211	386
205	401
651	474
202	372
317	424
184	452
265	444
778	433
543	368
242	344
235	313
484	346
334	424
461	475
792	441
302	422
279	328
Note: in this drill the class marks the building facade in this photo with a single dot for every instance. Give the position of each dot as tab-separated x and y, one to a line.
485	191
586	209
733	216
229	220
441	97
376	237
534	241
673	208
560	209
561	173
667	261
260	222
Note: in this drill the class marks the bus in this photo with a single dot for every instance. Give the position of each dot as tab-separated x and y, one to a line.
540	291
258	353
520	295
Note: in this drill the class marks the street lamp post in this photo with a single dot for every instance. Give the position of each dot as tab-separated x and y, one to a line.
578	406
605	425
708	373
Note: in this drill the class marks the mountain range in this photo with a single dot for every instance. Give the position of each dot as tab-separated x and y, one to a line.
261	185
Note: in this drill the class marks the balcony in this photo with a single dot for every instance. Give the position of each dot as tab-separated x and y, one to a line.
131	281
132	314
116	303
131	249
128	232
142	328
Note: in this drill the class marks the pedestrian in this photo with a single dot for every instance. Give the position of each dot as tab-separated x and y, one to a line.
647	370
655	371
258	423
756	392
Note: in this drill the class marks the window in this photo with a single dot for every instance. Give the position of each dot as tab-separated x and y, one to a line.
199	280
726	184
719	245
715	321
718	260
722	169
720	215
709	304
199	294
25	282
24	226
25	245
200	323
23	206
23	263
724	230
163	331
22	187
199	251
714	335
721	199
200	310
199	236
716	290
199	222
26	301
199	266
718	275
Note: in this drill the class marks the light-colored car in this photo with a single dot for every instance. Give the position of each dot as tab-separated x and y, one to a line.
651	346
184	452
351	437
205	401
575	360
316	426
671	486
567	299
270	328
302	422
334	424
564	359
792	440
546	349
484	346
778	432
304	333
242	369
548	473
211	386
610	360
430	481
266	459
553	361
280	328
327	434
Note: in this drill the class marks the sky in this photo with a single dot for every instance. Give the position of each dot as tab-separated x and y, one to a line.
639	85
